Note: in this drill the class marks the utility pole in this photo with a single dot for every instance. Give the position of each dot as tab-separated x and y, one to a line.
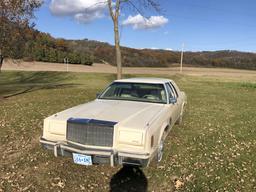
181	57
66	62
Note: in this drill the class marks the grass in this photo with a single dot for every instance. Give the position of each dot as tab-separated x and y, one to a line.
214	149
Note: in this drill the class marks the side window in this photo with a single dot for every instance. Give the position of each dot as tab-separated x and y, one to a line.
174	90
170	91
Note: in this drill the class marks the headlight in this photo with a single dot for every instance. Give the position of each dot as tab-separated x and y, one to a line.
131	137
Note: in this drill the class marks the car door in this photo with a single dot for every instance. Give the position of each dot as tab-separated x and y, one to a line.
173	107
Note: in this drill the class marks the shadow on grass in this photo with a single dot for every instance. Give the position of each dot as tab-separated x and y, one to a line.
18	83
129	179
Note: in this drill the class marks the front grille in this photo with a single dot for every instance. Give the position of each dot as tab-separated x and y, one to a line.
90	132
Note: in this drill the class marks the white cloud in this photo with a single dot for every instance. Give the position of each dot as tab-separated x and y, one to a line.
85	11
140	22
82	10
88	16
168	49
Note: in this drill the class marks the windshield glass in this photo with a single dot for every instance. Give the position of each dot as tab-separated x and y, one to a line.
144	92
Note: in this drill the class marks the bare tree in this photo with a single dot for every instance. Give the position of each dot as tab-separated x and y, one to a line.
114	10
115	15
14	15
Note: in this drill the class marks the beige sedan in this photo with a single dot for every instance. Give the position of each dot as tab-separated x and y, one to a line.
125	125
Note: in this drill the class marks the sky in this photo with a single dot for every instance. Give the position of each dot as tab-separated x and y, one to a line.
201	25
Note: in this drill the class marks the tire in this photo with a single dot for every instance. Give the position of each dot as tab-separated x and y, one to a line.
160	151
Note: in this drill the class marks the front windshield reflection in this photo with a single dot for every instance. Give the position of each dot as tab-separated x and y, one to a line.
144	92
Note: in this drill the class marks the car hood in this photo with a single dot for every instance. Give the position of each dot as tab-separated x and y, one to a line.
129	114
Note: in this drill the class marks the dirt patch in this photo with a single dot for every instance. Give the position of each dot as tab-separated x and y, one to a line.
233	74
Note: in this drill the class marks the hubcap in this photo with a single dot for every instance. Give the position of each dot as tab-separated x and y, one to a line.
160	151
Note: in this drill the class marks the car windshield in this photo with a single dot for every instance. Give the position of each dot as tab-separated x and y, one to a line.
144	92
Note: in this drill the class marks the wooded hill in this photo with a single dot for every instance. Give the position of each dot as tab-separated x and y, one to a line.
43	47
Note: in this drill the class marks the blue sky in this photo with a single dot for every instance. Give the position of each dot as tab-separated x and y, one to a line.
201	25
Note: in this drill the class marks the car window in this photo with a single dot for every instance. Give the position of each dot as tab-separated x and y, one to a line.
170	91
144	92
174	90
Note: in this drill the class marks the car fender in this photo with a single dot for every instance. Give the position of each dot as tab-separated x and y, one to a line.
165	128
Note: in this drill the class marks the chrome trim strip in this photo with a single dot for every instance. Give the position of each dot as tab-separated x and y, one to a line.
58	145
129	152
132	155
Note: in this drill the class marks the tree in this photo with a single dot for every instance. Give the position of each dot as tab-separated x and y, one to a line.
14	18
114	11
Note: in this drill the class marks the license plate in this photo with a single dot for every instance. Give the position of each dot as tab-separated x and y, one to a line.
82	159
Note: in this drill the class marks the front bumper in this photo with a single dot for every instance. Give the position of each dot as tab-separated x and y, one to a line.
99	156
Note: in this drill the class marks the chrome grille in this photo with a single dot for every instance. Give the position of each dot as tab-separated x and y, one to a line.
90	132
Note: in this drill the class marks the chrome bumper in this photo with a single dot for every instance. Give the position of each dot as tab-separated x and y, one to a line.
64	149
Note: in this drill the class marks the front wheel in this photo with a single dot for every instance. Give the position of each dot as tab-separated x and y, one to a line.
160	151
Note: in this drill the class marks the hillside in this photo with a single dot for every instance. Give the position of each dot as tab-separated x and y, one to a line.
43	47
162	58
226	58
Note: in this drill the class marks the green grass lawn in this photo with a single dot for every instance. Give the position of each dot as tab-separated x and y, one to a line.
214	149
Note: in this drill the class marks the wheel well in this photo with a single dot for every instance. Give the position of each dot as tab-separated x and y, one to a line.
183	108
167	128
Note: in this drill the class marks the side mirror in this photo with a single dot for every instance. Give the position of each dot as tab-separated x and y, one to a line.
97	95
173	100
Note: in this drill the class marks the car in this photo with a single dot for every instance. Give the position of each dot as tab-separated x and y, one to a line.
125	125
